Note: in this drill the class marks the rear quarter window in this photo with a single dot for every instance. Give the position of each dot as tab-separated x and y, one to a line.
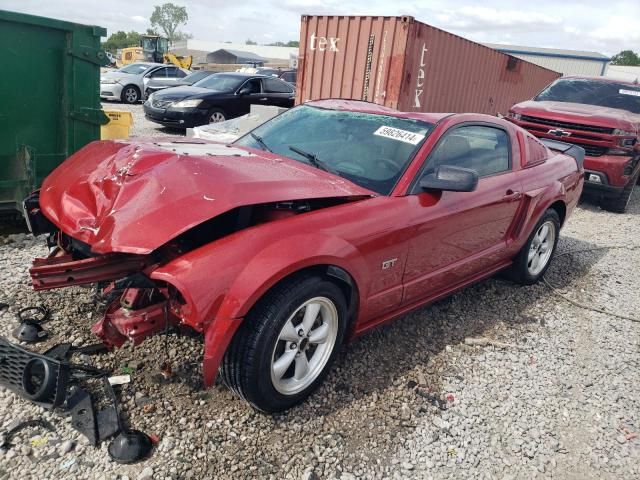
273	85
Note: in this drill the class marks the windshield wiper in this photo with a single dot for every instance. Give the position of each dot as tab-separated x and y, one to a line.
314	160
261	142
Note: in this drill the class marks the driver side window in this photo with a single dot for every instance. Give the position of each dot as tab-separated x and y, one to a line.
480	148
252	85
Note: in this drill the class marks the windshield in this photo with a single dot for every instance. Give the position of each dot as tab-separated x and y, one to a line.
220	83
135	68
370	150
195	77
593	92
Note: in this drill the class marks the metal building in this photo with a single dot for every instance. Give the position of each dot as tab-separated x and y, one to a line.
624	72
199	49
567	62
225	55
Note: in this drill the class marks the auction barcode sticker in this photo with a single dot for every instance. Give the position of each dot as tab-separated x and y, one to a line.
399	134
635	93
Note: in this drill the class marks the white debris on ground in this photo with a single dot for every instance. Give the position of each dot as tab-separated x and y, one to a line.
498	381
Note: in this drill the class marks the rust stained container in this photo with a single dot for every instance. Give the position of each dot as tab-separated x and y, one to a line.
408	65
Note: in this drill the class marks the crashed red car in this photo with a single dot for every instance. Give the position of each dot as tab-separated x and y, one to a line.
326	221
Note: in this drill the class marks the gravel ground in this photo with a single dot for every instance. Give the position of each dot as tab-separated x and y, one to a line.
498	381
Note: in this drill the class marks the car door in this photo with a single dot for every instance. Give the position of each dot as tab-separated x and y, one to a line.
462	235
250	92
174	74
157	76
277	92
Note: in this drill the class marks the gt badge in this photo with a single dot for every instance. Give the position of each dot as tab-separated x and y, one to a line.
389	263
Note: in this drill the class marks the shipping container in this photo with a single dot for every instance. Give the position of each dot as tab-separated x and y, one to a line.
51	102
410	66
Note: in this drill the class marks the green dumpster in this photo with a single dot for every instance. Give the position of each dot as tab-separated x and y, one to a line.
50	98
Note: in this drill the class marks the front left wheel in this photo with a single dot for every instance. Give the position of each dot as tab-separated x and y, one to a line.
285	347
130	94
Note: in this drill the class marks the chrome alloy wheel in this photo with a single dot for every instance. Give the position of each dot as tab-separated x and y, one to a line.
541	248
304	345
216	117
131	95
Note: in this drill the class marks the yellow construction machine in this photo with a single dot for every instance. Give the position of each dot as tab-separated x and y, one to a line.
153	48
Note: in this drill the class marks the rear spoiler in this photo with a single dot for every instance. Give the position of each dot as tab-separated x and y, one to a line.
567	148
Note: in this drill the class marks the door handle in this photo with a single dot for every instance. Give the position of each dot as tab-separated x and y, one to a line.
264	99
512	195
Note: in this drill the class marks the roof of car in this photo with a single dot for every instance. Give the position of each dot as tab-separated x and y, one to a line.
601	79
153	64
374	108
241	74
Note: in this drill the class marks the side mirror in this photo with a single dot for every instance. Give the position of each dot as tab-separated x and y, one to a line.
244	91
452	179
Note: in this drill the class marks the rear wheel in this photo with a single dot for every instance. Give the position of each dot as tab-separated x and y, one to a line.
620	203
217	115
285	347
535	257
130	94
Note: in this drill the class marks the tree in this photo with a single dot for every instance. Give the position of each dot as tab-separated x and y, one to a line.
182	36
290	43
121	39
250	42
169	17
626	57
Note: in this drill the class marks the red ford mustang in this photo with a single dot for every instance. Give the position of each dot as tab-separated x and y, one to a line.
326	221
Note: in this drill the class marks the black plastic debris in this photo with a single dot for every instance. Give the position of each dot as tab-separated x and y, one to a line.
130	446
30	330
52	381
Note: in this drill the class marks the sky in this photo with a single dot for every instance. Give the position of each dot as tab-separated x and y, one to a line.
605	27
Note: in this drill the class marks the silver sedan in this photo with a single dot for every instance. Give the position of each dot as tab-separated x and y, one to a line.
128	83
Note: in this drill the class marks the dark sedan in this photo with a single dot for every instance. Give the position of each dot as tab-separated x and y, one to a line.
157	84
216	98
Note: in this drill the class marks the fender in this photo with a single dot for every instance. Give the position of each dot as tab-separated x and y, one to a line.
285	257
218	309
536	202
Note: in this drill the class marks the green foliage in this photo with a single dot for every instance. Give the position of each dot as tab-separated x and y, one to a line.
250	42
168	17
626	57
290	43
121	39
181	36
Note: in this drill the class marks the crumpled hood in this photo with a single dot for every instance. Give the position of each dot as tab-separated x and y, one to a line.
580	113
134	197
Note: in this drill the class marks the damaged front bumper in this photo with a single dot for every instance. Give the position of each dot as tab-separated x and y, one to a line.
137	307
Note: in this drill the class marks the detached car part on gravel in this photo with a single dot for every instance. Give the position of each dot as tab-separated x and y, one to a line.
50	380
324	222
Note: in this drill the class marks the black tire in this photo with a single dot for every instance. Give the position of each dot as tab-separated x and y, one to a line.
218	113
130	94
246	366
620	203
519	271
